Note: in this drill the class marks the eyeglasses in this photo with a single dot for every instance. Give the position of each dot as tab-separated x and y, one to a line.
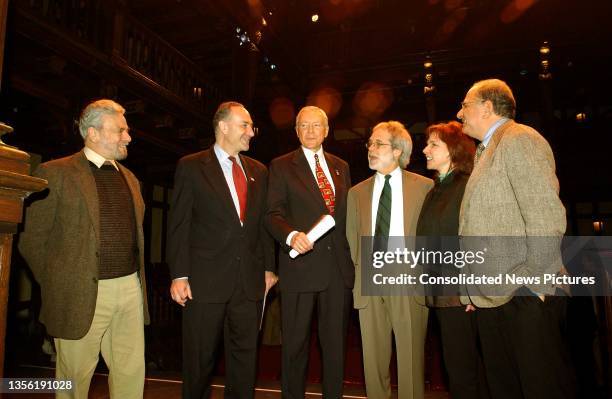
465	104
377	144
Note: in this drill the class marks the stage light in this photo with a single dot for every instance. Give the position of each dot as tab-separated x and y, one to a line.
598	226
544	62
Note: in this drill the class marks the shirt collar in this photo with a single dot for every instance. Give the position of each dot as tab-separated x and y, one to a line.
222	155
492	129
310	153
395	172
97	159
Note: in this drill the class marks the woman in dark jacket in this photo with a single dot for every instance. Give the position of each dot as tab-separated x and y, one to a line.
451	154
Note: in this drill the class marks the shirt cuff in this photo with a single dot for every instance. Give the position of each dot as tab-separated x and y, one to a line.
290	237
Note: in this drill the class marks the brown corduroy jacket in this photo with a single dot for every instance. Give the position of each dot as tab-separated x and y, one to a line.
61	241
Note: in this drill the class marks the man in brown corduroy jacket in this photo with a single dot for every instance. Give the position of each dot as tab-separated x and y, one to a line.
84	243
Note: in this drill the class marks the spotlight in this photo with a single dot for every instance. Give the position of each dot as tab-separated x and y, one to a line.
314	17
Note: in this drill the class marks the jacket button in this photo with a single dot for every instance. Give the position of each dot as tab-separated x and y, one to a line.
329	248
97	254
237	258
95	280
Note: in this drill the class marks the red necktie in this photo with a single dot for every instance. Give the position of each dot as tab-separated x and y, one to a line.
241	187
326	189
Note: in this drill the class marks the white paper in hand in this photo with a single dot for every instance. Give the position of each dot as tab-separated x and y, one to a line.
321	227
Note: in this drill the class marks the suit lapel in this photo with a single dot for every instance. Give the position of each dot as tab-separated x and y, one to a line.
87	184
304	173
135	191
365	211
212	172
484	163
339	190
408	210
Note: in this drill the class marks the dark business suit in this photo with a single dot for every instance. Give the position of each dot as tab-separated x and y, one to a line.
225	263
322	277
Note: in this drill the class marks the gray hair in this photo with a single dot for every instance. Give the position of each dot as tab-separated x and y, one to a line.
499	93
93	112
312	108
224	110
400	139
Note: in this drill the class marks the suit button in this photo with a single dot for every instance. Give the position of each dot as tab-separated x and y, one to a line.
97	254
95	280
329	248
238	258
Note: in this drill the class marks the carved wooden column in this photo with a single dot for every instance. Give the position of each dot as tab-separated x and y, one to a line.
15	185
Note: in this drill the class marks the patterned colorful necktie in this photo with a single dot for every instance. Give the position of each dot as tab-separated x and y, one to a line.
479	151
241	187
326	189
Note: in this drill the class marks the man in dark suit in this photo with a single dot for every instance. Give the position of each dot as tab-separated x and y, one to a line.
220	256
84	243
304	185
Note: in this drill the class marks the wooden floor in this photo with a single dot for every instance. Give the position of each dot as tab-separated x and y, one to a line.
166	386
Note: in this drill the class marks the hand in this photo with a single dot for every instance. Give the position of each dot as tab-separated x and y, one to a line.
301	243
470	308
180	291
271	280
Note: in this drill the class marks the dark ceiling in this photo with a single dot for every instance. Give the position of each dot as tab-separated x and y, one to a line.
362	61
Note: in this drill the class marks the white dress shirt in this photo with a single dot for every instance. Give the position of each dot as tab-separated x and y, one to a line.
226	166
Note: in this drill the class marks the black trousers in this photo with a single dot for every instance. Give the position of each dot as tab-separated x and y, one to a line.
459	333
333	307
524	349
204	325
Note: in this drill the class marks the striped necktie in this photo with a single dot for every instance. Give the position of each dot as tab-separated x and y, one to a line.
383	218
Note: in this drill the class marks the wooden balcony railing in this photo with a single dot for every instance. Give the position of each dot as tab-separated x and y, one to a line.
106	30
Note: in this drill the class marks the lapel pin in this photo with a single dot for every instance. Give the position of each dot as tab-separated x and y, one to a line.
337	172
252	179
